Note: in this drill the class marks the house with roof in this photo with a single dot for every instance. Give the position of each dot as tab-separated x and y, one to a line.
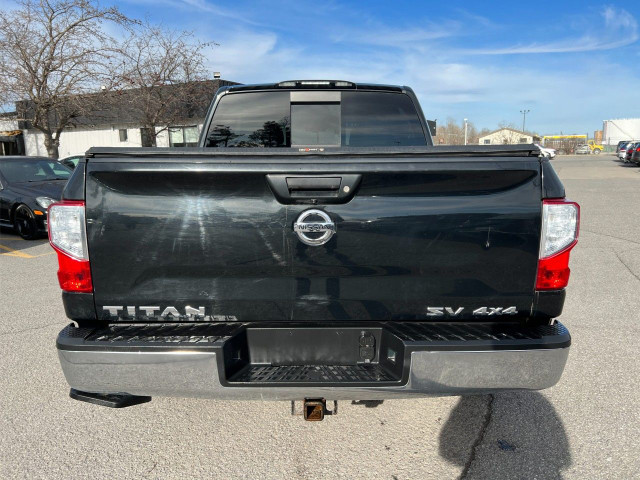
11	137
114	120
508	136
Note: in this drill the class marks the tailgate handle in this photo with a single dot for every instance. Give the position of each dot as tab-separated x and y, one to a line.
313	189
313	183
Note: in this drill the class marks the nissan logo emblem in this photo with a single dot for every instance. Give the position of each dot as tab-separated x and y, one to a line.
314	227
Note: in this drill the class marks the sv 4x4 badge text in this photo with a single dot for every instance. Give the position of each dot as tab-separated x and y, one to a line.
479	312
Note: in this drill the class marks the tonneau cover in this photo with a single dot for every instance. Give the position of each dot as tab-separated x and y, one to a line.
520	150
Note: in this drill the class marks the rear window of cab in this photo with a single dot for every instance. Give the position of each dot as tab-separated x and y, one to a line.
315	119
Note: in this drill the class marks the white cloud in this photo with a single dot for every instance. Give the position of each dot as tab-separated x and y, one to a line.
381	35
615	28
448	82
198	6
208	7
250	55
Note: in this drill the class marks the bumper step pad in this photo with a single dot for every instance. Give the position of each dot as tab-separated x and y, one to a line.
147	335
312	373
481	334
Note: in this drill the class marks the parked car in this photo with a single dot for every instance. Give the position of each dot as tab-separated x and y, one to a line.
630	149
547	152
28	185
635	153
71	161
622	150
622	143
583	150
323	264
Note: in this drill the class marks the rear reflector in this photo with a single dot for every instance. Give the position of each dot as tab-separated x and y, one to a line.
67	235
560	226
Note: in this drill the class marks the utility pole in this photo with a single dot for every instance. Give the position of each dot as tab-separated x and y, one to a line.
465	131
524	117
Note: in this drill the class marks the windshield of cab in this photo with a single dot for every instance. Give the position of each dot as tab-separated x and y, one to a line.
20	171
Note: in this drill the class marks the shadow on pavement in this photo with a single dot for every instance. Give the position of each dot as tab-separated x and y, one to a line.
11	241
368	403
624	164
520	436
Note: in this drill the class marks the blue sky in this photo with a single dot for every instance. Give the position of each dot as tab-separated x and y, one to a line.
572	64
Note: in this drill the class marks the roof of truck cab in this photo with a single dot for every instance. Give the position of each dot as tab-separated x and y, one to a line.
331	86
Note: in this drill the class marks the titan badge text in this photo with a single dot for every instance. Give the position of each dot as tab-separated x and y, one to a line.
169	313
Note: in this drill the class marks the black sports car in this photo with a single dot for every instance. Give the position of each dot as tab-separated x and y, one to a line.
71	161
28	185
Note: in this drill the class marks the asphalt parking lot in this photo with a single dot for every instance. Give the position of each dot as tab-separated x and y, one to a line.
587	426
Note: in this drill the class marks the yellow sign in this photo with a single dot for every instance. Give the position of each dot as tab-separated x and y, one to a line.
558	137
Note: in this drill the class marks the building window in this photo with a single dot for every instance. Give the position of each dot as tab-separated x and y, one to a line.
183	136
487	142
523	139
123	134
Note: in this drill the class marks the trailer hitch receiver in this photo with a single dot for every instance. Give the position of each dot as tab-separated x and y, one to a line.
314	409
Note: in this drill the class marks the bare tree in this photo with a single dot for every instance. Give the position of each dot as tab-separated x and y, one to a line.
482	133
54	53
452	133
161	77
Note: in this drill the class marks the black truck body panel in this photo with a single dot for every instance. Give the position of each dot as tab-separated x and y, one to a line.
206	230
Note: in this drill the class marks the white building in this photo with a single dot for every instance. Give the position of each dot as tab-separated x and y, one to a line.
11	138
508	136
115	126
614	131
76	141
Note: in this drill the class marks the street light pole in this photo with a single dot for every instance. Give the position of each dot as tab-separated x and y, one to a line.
524	117
465	131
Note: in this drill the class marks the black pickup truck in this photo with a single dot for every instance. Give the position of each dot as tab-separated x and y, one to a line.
315	246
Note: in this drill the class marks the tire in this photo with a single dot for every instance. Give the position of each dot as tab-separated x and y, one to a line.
597	151
24	223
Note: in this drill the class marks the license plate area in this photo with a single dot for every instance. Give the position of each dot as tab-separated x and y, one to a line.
313	356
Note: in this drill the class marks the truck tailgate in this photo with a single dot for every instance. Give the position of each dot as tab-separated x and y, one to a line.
418	237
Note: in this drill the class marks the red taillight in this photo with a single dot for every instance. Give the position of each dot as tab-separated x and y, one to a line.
553	272
638	149
74	275
67	235
560	227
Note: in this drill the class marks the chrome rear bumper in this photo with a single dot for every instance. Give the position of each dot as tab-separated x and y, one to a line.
188	369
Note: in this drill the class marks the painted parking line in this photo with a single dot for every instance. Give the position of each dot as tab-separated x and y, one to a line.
11	252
